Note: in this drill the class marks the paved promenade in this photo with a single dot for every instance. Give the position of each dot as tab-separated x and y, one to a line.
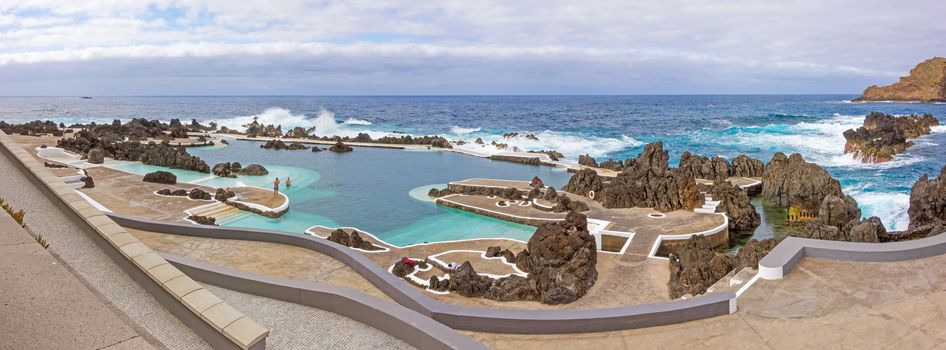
92	264
43	305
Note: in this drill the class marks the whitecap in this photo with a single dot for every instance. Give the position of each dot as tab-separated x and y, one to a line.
354	121
271	116
570	144
890	207
456	130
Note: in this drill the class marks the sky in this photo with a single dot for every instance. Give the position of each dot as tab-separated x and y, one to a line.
357	47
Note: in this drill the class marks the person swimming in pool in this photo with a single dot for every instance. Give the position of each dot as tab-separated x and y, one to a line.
276	187
288	182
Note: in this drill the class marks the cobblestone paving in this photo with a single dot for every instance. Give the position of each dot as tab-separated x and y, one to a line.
294	326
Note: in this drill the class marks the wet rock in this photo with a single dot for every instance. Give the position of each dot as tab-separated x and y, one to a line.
883	136
493	251
340	147
928	202
791	181
199	194
695	266
317	149
254	170
161	177
734	201
96	156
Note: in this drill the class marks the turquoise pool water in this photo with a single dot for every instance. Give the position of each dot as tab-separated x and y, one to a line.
380	191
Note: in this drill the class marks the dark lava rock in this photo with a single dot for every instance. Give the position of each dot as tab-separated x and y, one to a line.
254	170
357	242
745	166
584	181
199	194
695	266
279	145
493	251
754	250
928	201
402	268
179	193
838	212
96	156
164	192
440	285
466	282
223	195
550	194
437	193
883	136
316	149
704	168
87	182
161	177
509	256
791	181
225	169
340	147
868	230
587	160
341	237
203	220
743	218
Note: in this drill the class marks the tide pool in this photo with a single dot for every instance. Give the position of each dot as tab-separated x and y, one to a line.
380	191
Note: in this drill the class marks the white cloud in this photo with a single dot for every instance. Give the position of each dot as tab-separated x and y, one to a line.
761	41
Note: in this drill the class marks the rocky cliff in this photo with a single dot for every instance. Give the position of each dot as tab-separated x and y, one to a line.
926	83
883	136
928	204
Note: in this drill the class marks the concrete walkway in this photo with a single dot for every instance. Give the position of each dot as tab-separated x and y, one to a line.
76	249
43	305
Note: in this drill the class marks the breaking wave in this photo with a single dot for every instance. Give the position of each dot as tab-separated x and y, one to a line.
354	121
456	130
570	144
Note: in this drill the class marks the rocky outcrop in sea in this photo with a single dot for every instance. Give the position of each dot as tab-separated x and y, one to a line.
883	136
925	83
254	170
340	147
928	204
227	169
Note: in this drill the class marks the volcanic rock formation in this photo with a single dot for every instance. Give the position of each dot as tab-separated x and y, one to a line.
161	177
254	170
883	136
791	181
928	204
734	201
926	83
340	147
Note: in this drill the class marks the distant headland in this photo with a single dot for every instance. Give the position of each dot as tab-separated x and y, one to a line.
926	83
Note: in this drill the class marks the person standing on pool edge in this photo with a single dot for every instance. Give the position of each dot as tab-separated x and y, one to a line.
275	187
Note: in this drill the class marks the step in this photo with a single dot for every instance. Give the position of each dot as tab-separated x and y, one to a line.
75	185
712	202
704	210
709	206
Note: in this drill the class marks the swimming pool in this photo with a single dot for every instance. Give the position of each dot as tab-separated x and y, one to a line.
380	191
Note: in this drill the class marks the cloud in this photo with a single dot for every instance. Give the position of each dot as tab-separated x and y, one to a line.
800	46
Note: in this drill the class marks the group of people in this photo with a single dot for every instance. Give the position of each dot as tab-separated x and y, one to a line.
276	185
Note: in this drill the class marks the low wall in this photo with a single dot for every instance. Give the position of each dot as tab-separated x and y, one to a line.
783	259
219	324
444	201
463	317
417	330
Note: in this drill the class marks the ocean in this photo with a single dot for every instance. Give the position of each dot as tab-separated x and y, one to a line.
601	126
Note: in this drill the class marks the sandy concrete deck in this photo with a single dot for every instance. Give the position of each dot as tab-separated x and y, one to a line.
621	279
822	305
43	305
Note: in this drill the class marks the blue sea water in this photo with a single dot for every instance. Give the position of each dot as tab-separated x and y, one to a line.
602	126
